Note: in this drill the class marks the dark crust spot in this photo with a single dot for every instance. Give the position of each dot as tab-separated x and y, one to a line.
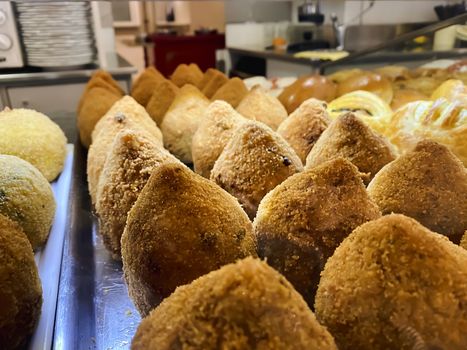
286	161
119	117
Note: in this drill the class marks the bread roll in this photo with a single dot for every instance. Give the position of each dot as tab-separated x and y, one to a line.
258	105
304	126
367	81
305	87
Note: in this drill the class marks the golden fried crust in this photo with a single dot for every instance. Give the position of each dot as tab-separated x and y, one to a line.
231	92
246	305
98	81
217	80
394	73
21	291
26	198
182	226
214	131
423	85
161	99
208	75
258	105
95	105
253	162
182	120
144	86
129	164
34	137
463	243
304	219
348	137
187	74
394	284
304	126
404	96
428	184
126	113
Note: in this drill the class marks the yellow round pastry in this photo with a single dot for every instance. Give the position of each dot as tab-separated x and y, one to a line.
365	105
452	90
34	137
26	198
441	121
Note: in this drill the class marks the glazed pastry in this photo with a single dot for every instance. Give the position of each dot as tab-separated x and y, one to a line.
181	227
254	161
187	74
348	137
453	91
34	137
231	92
217	79
182	120
394	284
343	74
367	81
162	97
404	96
304	126
215	130
258	105
428	184
301	221
365	105
144	86
424	85
26	197
21	294
317	86
442	121
131	160
124	114
246	305
394	73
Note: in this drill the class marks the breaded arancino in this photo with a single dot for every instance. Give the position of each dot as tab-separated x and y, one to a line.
303	220
215	130
131	160
428	184
181	227
217	79
394	284
162	97
254	161
126	113
143	87
231	92
187	74
21	291
350	138
246	305
304	126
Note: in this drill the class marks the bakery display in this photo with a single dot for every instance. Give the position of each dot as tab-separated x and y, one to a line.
367	81
132	158
180	217
162	97
246	305
232	92
394	284
303	220
21	292
428	184
34	137
187	74
181	121
441	121
306	87
100	93
144	86
254	161
126	113
26	198
214	132
258	105
348	137
304	126
365	105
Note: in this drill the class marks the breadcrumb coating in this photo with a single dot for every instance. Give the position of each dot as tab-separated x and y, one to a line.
161	99
231	92
187	74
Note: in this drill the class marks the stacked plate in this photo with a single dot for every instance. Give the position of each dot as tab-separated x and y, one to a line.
56	34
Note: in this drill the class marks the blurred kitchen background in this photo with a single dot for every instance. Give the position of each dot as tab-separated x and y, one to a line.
52	48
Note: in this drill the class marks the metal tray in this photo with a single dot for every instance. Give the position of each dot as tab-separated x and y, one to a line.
48	260
94	310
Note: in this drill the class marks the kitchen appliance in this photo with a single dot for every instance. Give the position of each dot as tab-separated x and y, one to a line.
11	55
309	12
